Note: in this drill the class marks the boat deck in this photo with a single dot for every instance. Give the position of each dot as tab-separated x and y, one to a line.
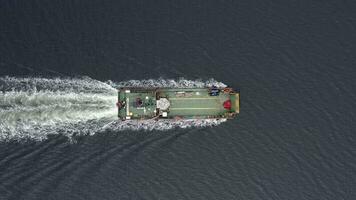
183	103
145	111
195	103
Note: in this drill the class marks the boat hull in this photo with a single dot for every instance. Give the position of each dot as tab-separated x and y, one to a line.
177	103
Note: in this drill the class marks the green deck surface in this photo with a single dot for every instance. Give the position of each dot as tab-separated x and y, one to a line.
198	103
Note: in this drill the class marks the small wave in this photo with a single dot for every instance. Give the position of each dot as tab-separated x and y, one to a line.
34	108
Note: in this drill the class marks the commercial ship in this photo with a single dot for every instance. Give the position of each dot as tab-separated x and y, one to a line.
177	103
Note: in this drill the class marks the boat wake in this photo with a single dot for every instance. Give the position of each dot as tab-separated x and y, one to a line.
34	108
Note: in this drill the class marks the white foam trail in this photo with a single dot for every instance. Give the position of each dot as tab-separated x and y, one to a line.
180	83
58	106
165	124
34	108
82	84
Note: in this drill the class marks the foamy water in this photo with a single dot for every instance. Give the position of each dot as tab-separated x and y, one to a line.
34	108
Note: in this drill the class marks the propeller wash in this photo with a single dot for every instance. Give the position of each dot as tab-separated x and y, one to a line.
34	108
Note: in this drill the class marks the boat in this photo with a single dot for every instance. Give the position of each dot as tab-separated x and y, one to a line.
177	103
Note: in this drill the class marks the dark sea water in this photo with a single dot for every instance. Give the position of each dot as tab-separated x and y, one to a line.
293	61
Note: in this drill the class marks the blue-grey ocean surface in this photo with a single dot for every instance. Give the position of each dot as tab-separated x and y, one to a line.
293	61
